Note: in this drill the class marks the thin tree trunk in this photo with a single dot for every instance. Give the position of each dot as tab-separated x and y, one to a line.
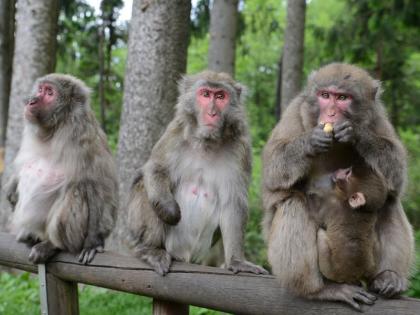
292	63
277	107
101	92
35	52
7	28
223	21
157	56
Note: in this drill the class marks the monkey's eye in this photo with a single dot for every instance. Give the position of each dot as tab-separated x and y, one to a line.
205	93
325	94
50	92
40	89
342	97
220	95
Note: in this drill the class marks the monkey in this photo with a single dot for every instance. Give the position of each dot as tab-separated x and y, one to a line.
299	150
64	185
195	182
345	205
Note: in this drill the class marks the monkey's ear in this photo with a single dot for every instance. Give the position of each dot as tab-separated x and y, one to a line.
357	200
312	75
241	91
376	90
185	84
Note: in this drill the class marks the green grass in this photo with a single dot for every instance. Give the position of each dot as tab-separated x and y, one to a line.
19	295
415	280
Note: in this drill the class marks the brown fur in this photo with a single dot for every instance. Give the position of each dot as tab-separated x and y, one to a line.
289	162
347	240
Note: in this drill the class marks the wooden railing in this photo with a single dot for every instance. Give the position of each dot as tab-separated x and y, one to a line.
185	285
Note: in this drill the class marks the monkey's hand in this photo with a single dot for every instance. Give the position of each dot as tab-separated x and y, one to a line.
13	198
246	266
388	283
91	246
319	141
167	210
11	193
344	132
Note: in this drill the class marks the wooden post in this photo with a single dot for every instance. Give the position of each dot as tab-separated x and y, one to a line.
161	307
57	296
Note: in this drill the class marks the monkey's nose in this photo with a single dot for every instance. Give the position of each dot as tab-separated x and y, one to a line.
33	101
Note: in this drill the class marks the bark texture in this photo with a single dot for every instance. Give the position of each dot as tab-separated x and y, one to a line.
7	27
35	52
292	63
157	57
223	22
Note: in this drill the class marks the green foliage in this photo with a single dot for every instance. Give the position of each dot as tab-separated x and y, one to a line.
415	279
411	139
78	52
19	294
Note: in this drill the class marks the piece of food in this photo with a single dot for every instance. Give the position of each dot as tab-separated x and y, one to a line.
328	127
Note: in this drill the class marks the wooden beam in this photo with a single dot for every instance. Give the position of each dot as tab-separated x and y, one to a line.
161	307
188	284
62	296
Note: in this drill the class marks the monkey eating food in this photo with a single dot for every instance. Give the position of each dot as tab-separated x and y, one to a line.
299	152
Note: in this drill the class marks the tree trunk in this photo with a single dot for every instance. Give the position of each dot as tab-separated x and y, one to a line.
101	87
35	50
277	107
223	21
157	56
292	63
7	28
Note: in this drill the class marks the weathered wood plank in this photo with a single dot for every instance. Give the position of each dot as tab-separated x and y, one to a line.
161	307
62	296
192	284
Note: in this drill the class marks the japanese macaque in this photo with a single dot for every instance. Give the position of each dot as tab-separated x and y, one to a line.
300	151
195	182
64	187
345	205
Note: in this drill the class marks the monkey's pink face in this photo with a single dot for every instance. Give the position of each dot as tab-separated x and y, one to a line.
333	104
212	103
43	100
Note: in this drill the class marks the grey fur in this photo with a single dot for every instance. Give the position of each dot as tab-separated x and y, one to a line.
188	153
290	158
80	210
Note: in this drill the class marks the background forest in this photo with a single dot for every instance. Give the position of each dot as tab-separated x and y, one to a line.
380	36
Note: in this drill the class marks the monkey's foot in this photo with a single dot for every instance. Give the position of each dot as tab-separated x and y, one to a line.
388	284
159	259
87	254
350	294
41	252
27	238
246	266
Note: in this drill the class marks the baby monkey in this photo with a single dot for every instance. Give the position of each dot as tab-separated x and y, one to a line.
345	205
